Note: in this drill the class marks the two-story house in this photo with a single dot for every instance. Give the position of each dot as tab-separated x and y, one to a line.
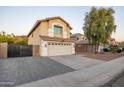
53	36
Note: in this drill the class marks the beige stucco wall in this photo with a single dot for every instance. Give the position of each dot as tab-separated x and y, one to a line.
59	22
43	29
35	40
3	50
35	49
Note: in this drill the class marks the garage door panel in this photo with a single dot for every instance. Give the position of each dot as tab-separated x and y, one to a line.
54	50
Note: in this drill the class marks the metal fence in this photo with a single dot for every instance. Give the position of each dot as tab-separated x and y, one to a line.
19	50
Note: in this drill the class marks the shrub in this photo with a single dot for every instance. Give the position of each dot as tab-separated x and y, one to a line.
22	42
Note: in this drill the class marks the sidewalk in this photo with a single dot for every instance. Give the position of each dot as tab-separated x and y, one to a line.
93	76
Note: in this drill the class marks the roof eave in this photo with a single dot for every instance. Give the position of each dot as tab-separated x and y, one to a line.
36	24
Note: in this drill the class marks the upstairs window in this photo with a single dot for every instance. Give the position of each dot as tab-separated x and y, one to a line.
58	31
77	38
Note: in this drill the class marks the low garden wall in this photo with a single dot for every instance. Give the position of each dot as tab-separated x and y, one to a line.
36	51
3	50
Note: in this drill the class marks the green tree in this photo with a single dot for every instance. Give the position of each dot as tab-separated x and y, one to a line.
6	38
22	42
99	25
12	39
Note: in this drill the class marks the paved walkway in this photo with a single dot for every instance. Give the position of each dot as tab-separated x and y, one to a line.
96	74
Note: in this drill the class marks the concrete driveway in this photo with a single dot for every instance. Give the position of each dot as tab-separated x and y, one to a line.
59	71
76	61
91	76
16	71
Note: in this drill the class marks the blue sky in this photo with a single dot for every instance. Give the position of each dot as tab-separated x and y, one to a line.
19	20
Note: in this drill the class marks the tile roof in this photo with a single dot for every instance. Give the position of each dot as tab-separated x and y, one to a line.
83	42
47	38
76	34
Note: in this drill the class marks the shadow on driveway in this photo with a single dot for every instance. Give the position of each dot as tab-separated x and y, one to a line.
16	71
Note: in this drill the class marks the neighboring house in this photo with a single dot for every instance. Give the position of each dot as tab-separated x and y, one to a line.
82	44
53	36
79	38
112	41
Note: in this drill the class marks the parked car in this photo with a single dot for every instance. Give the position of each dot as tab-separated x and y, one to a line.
106	49
123	49
116	49
120	49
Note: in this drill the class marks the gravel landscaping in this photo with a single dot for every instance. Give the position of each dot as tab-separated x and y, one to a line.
16	71
105	57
